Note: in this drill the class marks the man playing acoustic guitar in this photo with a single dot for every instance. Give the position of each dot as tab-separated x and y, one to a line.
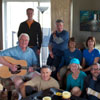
20	52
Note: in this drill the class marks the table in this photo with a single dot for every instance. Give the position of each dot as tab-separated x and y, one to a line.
50	92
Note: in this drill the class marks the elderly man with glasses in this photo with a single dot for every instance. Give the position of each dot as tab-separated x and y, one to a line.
92	83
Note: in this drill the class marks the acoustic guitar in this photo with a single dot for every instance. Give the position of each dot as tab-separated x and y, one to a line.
22	68
5	72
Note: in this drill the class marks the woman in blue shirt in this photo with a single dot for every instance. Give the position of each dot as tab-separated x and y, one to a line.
90	55
76	77
71	52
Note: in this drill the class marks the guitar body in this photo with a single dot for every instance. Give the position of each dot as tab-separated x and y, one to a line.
6	73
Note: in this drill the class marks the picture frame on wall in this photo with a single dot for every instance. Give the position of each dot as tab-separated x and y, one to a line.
90	20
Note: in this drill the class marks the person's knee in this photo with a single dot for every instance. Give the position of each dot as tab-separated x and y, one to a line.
76	91
17	81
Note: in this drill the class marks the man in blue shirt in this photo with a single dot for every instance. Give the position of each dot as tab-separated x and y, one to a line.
57	44
20	52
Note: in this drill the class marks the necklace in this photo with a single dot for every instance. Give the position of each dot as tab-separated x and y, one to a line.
75	75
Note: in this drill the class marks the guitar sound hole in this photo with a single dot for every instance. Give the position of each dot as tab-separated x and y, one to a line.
16	72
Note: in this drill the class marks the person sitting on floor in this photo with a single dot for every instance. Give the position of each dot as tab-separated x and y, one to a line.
75	78
42	82
92	83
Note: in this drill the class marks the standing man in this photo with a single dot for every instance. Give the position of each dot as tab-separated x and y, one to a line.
57	44
33	29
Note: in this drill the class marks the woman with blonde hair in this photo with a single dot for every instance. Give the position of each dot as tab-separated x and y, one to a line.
75	78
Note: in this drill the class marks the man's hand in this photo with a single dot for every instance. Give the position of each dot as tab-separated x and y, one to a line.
13	67
30	69
54	34
38	51
51	54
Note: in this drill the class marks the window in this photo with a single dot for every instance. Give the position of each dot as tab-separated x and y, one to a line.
15	12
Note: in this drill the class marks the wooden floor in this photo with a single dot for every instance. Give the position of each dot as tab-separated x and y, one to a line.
4	96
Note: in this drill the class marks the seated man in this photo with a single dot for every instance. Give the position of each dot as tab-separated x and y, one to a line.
42	82
92	83
20	52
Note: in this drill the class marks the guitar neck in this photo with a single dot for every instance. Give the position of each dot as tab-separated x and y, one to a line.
23	67
26	68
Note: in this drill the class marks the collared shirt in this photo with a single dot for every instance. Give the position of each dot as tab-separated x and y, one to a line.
17	53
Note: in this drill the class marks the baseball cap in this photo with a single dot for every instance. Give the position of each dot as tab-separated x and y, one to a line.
75	61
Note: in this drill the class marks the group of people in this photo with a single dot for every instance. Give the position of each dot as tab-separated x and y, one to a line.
81	68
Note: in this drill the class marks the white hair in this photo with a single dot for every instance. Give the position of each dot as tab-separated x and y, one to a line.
25	34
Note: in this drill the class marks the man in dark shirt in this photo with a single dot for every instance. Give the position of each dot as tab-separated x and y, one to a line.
33	29
92	83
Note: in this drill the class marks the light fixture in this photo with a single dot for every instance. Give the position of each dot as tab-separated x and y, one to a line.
42	9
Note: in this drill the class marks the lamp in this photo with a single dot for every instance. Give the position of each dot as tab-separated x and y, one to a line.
42	54
42	9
